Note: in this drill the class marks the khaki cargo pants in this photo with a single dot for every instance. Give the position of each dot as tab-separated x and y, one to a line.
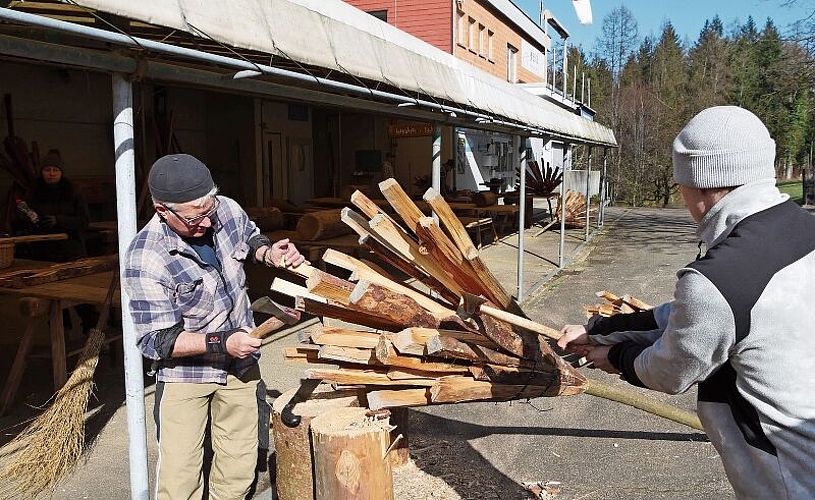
181	412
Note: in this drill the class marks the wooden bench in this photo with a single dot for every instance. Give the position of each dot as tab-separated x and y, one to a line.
478	225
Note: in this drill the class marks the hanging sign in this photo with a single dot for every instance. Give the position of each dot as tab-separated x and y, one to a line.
396	131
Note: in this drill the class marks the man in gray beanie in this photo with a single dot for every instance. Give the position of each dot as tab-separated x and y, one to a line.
185	283
741	322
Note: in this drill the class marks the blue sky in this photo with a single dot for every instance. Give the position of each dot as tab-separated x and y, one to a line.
687	16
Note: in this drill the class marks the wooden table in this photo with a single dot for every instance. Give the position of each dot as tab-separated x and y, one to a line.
58	295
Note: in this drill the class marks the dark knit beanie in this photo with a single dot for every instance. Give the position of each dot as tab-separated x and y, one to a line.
179	178
723	146
51	159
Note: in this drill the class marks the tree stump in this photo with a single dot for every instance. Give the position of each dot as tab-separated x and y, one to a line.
350	455
294	477
400	454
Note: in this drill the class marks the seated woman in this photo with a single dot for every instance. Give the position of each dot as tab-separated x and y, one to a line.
59	208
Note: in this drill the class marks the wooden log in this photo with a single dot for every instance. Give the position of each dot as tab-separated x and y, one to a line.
350	456
397	308
56	272
266	218
400	452
322	224
387	355
316	308
293	452
450	348
460	389
484	198
389	398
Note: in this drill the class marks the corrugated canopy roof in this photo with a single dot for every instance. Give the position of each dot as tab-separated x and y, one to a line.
334	35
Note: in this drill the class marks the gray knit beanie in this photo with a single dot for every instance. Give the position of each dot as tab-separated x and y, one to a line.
723	146
179	178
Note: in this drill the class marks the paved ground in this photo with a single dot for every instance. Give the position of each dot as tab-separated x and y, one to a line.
592	447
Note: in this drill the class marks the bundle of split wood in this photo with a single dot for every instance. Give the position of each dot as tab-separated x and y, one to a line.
575	209
624	304
415	349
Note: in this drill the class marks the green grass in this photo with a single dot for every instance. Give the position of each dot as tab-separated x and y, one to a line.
794	188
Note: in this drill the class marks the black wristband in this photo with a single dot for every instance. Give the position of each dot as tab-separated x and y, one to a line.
216	341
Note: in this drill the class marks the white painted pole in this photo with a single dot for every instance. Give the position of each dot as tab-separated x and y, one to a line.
123	144
516	144
435	169
588	188
567	166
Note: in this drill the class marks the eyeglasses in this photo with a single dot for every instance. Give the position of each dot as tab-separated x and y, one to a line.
198	219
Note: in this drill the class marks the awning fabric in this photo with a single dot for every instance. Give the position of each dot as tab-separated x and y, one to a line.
335	35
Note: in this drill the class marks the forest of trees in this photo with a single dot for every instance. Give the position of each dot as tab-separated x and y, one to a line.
646	89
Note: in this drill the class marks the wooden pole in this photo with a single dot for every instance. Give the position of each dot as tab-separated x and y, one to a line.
351	455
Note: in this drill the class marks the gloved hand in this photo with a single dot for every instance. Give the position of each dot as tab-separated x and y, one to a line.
48	221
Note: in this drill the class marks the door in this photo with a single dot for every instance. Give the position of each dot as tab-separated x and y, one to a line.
274	174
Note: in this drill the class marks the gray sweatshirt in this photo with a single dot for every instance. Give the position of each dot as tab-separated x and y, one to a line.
742	326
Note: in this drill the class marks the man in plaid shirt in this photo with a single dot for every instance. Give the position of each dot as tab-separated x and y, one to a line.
186	287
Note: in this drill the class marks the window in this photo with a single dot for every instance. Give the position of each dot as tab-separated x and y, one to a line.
471	33
482	41
382	15
489	44
462	29
512	64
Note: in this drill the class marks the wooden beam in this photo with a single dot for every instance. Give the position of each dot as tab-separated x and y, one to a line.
348	376
329	286
398	398
401	203
413	340
344	337
387	355
347	355
316	308
400	309
460	389
448	347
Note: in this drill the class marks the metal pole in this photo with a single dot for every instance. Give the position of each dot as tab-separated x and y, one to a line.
601	212
123	148
567	160
565	67
435	169
588	187
574	85
516	143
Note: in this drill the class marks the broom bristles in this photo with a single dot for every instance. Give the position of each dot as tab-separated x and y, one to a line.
50	447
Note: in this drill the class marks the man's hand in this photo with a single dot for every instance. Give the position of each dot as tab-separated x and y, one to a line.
575	339
240	345
283	254
599	356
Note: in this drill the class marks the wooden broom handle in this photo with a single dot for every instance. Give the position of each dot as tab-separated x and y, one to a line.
521	321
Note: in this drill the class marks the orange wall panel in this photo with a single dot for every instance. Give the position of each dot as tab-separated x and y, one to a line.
428	20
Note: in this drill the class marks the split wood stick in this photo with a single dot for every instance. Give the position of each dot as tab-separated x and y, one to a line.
316	308
301	354
348	355
361	271
520	321
406	267
413	340
637	304
387	355
348	376
450	348
409	249
290	289
397	374
460	389
430	233
398	398
329	286
401	203
344	337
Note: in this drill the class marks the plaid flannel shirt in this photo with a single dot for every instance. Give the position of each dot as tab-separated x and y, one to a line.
167	283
